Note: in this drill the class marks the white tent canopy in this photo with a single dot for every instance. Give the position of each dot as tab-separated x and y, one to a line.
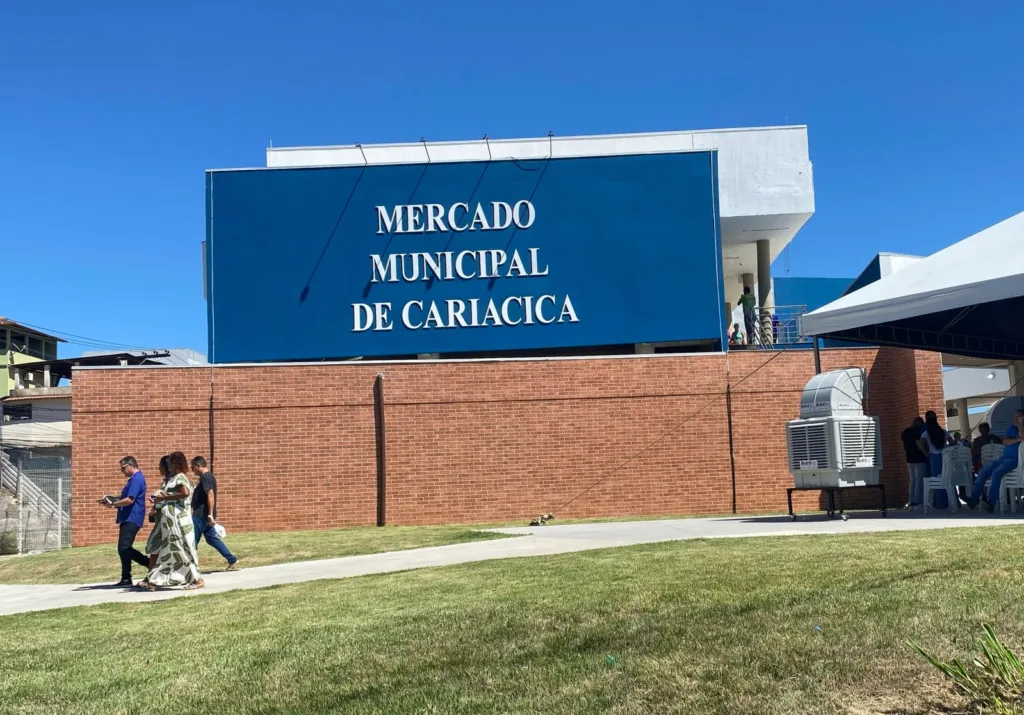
957	300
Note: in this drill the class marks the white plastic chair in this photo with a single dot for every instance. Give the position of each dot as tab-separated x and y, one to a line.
1011	480
956	471
990	453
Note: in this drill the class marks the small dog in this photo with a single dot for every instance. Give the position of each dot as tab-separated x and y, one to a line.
542	520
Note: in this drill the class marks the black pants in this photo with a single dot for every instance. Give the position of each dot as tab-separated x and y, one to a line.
127	551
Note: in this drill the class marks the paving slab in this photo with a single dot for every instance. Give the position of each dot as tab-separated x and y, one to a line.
533	541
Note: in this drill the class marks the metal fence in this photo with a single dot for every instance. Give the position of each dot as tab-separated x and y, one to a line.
777	327
35	509
787	325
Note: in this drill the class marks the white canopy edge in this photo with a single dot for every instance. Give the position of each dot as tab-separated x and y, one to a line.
985	267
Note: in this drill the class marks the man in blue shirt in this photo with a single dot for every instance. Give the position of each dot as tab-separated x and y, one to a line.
999	468
131	512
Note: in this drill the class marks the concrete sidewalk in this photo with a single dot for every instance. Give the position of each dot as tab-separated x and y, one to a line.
534	541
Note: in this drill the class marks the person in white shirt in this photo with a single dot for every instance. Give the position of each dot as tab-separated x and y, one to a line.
933	440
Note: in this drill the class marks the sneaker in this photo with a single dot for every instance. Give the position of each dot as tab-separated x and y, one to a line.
124	583
233	566
990	508
971	503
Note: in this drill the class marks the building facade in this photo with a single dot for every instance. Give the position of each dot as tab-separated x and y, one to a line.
486	331
19	345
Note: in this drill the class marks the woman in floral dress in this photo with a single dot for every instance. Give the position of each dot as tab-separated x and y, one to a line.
172	540
155	539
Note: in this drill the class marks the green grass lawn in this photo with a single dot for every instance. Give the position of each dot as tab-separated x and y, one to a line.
772	625
100	563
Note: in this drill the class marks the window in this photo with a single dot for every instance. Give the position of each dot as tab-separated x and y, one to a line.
35	347
17	413
18	343
3	340
49	351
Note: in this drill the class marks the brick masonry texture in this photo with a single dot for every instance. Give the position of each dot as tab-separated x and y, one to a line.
477	442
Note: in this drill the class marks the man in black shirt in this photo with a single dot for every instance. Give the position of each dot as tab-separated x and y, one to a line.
917	463
204	511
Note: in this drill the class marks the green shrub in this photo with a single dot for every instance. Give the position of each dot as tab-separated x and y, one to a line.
8	543
994	682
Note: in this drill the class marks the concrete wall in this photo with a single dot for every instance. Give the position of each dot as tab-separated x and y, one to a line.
50	425
477	441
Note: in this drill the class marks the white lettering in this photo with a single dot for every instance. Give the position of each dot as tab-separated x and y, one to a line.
362	317
435	218
474	312
498	258
528	310
448	266
381	315
540	313
415	214
386	223
481	257
414	266
516	264
491	314
455	310
430	218
387	273
459	270
451	217
432	264
433	316
479	218
504	310
406	321
534	262
568	310
501	215
531	214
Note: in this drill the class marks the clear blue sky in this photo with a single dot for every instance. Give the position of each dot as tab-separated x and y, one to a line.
110	112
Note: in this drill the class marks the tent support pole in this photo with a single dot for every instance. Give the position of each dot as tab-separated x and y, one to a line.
817	357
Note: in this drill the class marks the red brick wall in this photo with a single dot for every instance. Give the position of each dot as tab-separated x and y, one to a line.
477	441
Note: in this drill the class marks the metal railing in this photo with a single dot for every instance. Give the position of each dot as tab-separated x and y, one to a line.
35	508
776	327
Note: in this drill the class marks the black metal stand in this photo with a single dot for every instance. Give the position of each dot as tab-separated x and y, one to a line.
833	492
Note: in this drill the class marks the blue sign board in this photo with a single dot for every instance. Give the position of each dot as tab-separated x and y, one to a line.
386	260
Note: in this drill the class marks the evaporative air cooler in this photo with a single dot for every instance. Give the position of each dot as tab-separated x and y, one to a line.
834	444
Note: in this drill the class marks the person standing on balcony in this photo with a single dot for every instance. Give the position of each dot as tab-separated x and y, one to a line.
748	303
736	335
131	511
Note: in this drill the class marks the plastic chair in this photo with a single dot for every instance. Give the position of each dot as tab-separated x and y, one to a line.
991	452
1011	480
958	462
956	470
